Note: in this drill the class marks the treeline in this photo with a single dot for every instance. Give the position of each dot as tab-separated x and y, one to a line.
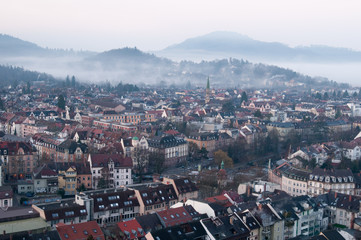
10	75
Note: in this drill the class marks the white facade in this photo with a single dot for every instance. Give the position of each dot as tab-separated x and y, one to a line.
117	176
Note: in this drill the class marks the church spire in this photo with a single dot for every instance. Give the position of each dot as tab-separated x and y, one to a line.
208	86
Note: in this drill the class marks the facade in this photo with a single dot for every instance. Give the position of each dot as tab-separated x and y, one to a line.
184	187
155	197
45	180
109	205
204	140
19	160
174	149
339	180
6	197
294	181
66	212
68	180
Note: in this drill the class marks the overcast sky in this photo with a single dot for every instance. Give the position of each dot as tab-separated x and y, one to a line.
156	24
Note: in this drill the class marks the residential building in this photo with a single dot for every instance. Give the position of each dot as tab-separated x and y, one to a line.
68	180
338	180
6	197
184	187
155	197
110	205
66	212
174	149
80	231
111	170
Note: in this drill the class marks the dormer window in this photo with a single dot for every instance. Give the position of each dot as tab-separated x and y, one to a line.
321	178
316	177
339	179
350	178
345	179
333	179
311	177
327	179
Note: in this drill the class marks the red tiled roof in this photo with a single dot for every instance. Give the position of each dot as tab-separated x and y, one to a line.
80	231
131	229
174	216
220	199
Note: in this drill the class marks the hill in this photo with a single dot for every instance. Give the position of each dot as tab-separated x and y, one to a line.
230	44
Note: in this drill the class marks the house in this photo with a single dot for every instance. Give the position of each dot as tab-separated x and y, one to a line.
155	197
226	227
80	231
19	160
45	180
111	170
6	197
190	230
174	216
65	211
338	180
174	149
131	229
68	180
184	187
109	205
204	140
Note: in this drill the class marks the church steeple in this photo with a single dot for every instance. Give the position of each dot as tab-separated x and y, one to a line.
208	91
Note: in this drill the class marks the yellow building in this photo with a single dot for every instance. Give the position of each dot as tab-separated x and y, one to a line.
67	181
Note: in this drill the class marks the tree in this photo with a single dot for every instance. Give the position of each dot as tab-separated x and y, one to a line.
67	81
318	95
73	81
325	96
228	106
258	114
221	156
194	151
82	188
244	97
140	156
345	94
102	183
338	113
156	162
61	192
1	104
61	102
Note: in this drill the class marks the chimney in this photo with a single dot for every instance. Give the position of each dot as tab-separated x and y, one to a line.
248	190
265	187
259	206
335	194
350	198
244	219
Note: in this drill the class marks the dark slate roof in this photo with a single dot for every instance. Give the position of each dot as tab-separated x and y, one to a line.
114	200
333	175
190	230
62	210
102	160
161	193
226	227
149	222
184	185
166	142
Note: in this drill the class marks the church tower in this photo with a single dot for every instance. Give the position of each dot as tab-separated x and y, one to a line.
208	91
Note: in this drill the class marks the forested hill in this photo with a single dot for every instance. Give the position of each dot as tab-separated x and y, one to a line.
10	75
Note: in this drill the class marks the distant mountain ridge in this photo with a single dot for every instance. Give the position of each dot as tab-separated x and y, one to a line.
230	44
130	65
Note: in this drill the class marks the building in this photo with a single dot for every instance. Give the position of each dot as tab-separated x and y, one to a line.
204	140
6	197
66	212
80	231
68	180
155	197
174	149
45	180
338	180
109	205
184	187
110	170
19	160
131	229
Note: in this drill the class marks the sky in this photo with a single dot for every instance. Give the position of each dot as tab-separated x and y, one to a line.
152	25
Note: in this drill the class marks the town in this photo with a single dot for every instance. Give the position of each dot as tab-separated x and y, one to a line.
100	161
